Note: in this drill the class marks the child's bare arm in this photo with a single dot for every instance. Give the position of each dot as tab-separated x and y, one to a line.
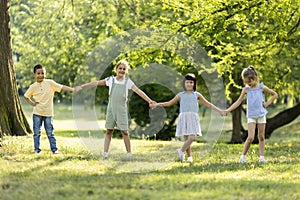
237	102
94	83
30	101
67	88
273	93
169	103
209	104
142	94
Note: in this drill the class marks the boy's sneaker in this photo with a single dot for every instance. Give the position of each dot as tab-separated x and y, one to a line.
242	159
180	154
262	160
55	152
37	152
128	155
189	159
105	154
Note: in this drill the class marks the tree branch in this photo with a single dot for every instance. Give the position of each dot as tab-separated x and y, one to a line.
282	119
294	29
237	6
133	9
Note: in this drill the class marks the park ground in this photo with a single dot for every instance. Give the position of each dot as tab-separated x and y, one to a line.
79	171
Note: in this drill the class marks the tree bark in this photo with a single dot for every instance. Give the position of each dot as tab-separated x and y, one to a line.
282	119
236	136
12	118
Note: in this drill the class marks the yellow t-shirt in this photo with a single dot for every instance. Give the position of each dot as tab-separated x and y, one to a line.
43	93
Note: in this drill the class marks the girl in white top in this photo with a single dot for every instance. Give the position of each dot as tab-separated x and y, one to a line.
256	112
188	124
117	111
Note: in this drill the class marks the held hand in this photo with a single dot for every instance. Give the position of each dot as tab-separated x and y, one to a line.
152	104
77	88
224	113
35	103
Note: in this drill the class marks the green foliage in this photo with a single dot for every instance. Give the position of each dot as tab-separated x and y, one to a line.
65	36
160	94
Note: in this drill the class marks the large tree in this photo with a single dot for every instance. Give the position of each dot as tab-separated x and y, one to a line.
12	118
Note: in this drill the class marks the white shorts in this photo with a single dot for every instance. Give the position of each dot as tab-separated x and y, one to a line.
260	120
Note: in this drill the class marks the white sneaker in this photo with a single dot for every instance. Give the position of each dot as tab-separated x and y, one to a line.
189	159
105	154
180	154
242	159
37	152
262	160
128	155
55	152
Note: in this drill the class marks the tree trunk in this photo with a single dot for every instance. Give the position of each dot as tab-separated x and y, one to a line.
282	119
236	136
12	118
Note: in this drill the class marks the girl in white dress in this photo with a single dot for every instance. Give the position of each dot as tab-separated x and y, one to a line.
188	124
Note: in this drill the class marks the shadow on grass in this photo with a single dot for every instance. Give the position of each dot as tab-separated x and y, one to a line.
166	184
82	176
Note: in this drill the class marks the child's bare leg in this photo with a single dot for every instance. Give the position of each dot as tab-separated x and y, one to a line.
107	139
261	138
250	138
188	151
126	138
187	144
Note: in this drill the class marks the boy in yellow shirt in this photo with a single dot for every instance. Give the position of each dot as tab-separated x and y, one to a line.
42	93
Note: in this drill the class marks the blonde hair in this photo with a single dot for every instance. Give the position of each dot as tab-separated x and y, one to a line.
123	62
250	73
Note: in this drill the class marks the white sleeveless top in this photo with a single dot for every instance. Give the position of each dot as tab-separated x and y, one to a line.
255	100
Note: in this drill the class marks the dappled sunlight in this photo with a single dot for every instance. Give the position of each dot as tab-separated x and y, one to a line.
78	173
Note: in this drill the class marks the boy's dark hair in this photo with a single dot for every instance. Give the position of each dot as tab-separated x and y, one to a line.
38	66
191	77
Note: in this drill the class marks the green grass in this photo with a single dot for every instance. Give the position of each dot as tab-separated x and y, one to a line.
153	172
79	172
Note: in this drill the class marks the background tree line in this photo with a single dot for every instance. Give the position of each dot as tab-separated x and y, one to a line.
235	34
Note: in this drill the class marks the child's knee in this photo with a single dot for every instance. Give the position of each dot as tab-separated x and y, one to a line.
109	132
124	133
261	138
191	137
250	139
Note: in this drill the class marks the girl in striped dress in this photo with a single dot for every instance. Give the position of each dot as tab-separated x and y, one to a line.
188	124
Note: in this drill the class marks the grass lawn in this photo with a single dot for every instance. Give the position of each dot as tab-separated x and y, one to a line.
79	171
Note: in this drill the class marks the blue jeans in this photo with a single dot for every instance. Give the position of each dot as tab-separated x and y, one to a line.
37	125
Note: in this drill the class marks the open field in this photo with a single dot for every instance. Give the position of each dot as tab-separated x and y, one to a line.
152	173
79	171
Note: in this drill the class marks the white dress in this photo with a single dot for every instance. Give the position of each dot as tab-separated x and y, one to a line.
188	119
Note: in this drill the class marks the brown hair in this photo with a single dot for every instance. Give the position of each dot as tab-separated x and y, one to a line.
249	73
